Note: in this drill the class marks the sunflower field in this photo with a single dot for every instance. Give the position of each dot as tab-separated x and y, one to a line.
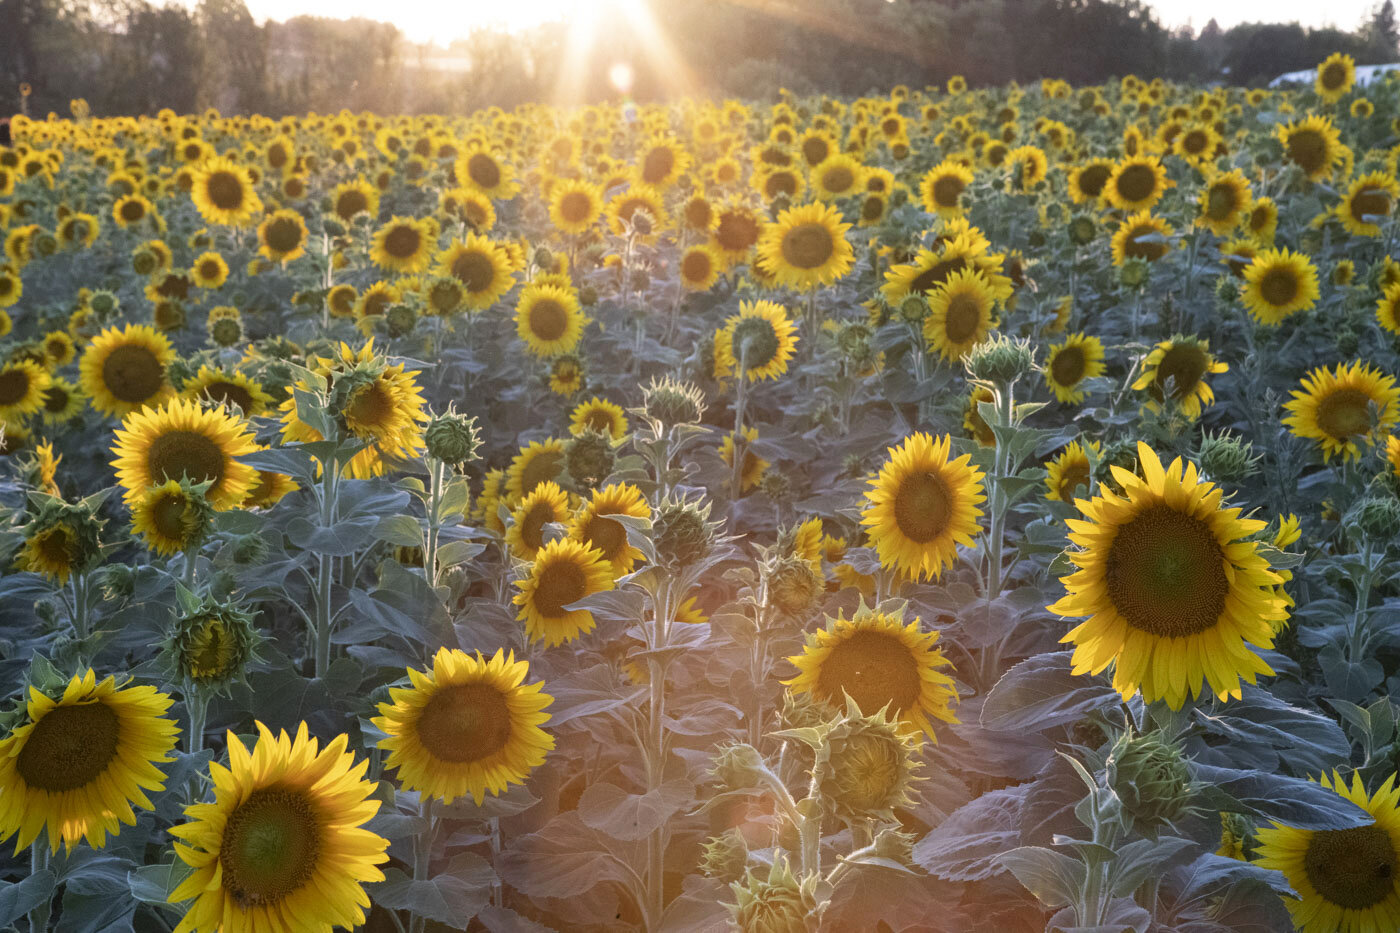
944	510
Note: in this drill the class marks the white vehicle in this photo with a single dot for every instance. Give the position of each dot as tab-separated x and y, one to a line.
1365	74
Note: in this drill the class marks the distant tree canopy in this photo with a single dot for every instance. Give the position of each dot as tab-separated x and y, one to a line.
129	56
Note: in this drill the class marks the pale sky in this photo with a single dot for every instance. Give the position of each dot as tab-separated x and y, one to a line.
444	20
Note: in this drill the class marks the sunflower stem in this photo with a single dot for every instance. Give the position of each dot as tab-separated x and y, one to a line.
656	751
430	544
422	854
494	827
39	861
197	707
330	490
736	471
810	830
80	606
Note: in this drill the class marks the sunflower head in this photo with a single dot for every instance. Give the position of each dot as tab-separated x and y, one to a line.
60	539
1151	777
865	765
775	902
564	572
174	516
211	642
682	533
453	437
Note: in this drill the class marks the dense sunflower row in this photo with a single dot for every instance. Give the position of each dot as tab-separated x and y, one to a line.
398	509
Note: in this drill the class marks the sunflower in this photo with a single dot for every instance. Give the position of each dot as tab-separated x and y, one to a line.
468	726
1335	76
1136	183
922	505
169	518
540	462
78	230
1335	408
973	422
959	314
1070	363
209	271
699	267
182	440
838	176
807	246
1278	283
11	288
131	210
1314	145
548	318
1173	591
574	205
1262	221
282	842
661	161
593	527
481	266
282	236
930	269
223	192
1026	166
22	387
641	209
230	389
564	571
546	503
764	334
1388	308
1347	880
1237	254
1087	180
1179	366
737	229
405	245
352	198
1223	202
1068	471
1369	199
942	188
125	370
481	169
598	414
1198	145
62	401
753	467
880	663
1141	236
75	765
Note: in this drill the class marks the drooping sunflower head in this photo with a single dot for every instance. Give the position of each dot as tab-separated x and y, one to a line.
1069	363
922	505
224	193
1344	407
125	370
60	539
181	440
1279	283
1345	879
467	726
564	571
283	837
1177	369
762	335
880	663
1167	578
75	765
807	246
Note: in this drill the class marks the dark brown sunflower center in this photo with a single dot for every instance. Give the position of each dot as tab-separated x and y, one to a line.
807	246
1165	573
168	516
466	722
270	846
1221	203
1370	201
69	747
657	165
874	669
1308	149
225	191
351	203
179	454
209	269
873	208
132	373
1352	868
815	150
475	270
283	235
1279	286
229	393
14	386
780	183
937	274
736	232
533	522
55	545
698	214
370	407
607	536
696	266
1334	76
838	179
402	241
1183	366
483	170
946	191
1195	141
549	320
1074	474
133	210
55	399
562	582
541	468
1068	366
1137	182
1135	248
1344	413
923	506
575	207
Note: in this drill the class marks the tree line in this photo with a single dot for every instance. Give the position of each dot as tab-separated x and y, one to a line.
133	57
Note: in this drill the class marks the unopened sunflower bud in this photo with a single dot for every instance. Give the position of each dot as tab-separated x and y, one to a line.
1082	230
1149	775
1377	518
1134	273
589	457
865	767
725	856
226	332
670	402
104	302
452	437
588	296
211	643
682	533
400	320
144	262
544	258
1228	458
778	903
793	588
1346	340
913	309
249	549
1000	360
333	227
737	767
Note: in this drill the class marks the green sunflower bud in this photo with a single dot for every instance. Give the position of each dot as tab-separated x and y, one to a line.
865	767
1228	458
1346	340
1134	273
211	642
913	309
589	458
104	302
793	588
776	485
776	904
544	258
588	296
400	320
725	856
453	437
737	767
144	262
1151	778
1377	518
682	533
226	332
333	227
249	549
1226	289
1000	360
669	402
1082	230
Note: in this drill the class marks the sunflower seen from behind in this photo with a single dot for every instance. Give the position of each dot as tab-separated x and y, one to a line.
1347	880
75	765
1173	592
1343	408
282	843
922	505
564	571
466	726
880	663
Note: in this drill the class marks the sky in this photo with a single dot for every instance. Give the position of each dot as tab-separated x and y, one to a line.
443	20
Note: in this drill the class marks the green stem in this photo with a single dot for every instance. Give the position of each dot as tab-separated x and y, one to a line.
1005	414
1357	631
197	706
422	855
329	492
810	830
656	752
39	861
736	472
430	547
